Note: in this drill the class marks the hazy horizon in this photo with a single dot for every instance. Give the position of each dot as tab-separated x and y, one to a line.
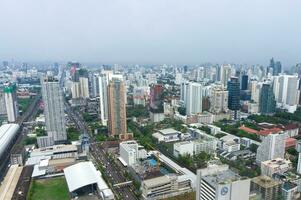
151	32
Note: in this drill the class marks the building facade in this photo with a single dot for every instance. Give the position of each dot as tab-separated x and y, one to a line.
117	108
54	109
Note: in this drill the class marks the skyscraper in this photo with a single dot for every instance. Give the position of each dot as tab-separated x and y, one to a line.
194	98
84	87
117	108
233	95
11	104
271	147
156	99
244	82
286	90
225	74
54	109
277	68
267	102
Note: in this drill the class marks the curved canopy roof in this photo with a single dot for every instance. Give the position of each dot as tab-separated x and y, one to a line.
82	174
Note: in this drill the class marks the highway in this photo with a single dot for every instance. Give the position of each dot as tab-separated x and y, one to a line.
112	171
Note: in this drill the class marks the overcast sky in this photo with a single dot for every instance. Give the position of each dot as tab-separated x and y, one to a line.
151	31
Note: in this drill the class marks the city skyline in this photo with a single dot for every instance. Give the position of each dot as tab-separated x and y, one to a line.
151	32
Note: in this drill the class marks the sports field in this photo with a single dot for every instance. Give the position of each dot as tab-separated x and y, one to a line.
49	189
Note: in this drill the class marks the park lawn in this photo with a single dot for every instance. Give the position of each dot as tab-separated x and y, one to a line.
49	189
24	103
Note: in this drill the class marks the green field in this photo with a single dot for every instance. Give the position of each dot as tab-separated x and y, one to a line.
49	189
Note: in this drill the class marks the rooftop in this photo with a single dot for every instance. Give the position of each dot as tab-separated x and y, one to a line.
221	178
168	131
265	181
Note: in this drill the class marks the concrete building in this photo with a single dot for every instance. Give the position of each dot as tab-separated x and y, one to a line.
266	187
219	100
299	163
84	87
167	135
117	108
271	147
75	90
128	151
193	98
290	191
54	110
140	95
183	148
278	165
11	104
163	187
225	74
218	182
286	91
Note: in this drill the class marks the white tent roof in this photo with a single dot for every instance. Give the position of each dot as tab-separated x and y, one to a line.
83	174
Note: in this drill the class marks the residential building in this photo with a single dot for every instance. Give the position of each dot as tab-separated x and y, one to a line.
117	108
194	98
84	87
219	100
266	187
54	109
225	74
271	147
218	182
278	165
11	105
286	90
290	191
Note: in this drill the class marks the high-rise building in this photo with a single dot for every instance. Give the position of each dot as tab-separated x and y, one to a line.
3	112
194	98
225	74
267	102
255	88
268	188
117	108
11	104
75	90
286	90
219	100
156	98
234	95
54	109
244	82
218	182
277	68
84	87
271	147
299	163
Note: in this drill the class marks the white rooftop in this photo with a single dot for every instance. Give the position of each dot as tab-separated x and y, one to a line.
83	174
168	131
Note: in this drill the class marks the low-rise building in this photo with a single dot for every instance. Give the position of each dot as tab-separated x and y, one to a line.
167	135
229	143
128	151
164	187
278	165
